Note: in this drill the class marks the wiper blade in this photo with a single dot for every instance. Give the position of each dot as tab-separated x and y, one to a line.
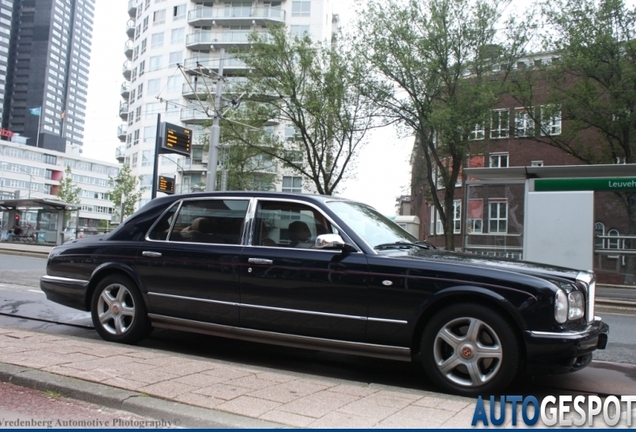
422	245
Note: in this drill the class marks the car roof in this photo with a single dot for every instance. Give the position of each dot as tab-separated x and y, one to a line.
251	194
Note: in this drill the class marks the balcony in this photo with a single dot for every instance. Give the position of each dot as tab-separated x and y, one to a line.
204	66
126	69
123	111
128	49
120	154
122	131
132	8
194	116
130	28
203	39
213	16
199	89
124	90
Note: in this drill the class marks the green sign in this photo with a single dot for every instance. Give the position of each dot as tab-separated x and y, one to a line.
585	184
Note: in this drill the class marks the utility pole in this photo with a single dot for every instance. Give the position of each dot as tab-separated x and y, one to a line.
215	130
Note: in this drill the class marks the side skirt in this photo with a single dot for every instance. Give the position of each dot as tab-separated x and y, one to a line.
289	340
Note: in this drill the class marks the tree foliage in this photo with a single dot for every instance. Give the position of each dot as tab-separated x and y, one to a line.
124	187
69	192
431	66
593	84
311	88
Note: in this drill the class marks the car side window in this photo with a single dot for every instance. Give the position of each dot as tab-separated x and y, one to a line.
209	221
288	224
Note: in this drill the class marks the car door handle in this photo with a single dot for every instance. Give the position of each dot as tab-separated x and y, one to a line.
151	254
260	261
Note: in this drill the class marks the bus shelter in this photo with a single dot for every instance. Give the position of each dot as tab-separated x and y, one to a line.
42	220
544	213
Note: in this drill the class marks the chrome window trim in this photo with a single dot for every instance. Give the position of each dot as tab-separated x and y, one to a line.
295	201
180	204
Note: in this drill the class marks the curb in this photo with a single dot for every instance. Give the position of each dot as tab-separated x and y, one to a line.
180	415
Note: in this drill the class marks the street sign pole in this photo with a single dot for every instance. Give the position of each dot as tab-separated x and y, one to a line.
155	172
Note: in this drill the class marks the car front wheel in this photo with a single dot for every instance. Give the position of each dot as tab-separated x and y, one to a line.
470	349
118	311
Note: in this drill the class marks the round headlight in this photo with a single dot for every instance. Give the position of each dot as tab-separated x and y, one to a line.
576	305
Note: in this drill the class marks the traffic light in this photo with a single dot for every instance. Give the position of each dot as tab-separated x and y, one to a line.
17	219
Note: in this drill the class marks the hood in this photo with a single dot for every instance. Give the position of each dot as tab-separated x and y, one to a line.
483	261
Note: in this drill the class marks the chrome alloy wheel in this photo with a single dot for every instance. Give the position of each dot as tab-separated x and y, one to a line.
468	352
116	309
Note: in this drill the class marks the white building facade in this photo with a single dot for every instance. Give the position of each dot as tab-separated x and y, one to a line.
173	54
28	172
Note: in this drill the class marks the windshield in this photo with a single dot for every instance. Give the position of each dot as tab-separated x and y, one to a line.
374	228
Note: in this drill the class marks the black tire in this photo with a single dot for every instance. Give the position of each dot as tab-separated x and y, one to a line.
470	349
118	311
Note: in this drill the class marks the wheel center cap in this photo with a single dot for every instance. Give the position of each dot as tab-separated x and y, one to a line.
115	309
466	351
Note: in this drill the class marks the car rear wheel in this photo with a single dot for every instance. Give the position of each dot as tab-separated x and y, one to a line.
118	311
470	349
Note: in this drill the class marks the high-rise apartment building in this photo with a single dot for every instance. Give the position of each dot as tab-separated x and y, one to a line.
46	70
6	12
173	53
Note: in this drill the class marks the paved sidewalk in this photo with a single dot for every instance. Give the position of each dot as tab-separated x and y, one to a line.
212	393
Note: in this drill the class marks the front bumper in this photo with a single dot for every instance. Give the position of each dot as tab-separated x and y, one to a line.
563	352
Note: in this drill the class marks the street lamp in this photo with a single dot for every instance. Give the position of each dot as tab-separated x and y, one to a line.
22	169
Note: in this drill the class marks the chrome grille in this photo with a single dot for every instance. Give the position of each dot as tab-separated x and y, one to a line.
588	280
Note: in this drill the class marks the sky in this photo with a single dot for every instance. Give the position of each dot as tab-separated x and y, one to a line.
380	175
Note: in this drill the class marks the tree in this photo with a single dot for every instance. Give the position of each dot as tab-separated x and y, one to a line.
69	192
592	87
124	188
431	70
310	88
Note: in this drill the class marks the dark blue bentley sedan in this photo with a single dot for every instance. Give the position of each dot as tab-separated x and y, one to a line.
331	274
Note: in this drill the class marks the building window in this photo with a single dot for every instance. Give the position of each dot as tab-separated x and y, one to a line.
500	123
143	45
536	163
292	184
298	31
154	63
175	58
550	120
457	216
478	133
475	216
142	67
599	232
498	160
179	12
159	17
136	137
177	37
498	217
156	40
146	23
301	8
146	159
614	243
524	123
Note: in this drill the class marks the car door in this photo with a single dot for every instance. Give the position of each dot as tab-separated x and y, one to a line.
189	263
287	286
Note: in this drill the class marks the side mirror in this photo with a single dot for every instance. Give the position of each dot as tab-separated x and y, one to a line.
329	241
